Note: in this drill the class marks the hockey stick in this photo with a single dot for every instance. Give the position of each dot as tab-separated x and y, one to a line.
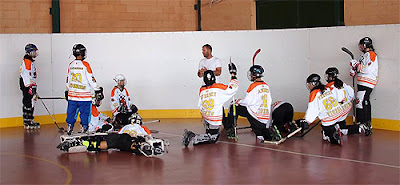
283	139
354	106
255	54
234	111
154	121
60	129
303	133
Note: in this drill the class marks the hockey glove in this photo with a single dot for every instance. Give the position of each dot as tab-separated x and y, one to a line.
232	68
99	94
302	123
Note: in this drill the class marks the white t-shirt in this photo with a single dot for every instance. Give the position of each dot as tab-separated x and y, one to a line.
211	64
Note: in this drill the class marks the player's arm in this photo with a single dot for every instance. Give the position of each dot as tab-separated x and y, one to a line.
114	102
218	71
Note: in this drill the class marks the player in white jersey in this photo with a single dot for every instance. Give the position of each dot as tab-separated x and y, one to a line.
132	137
323	104
121	105
79	86
345	99
256	107
209	62
366	69
28	86
99	122
212	96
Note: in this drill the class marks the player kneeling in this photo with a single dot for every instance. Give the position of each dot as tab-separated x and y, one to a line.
211	98
323	104
133	138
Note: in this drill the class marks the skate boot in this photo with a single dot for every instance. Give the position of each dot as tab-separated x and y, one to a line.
187	137
72	146
70	130
231	134
275	134
36	124
29	125
85	130
337	136
366	128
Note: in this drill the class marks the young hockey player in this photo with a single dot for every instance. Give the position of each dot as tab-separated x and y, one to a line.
211	98
28	86
132	137
323	104
121	105
99	122
256	107
345	99
79	86
366	70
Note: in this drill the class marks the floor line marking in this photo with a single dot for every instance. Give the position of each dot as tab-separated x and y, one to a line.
69	174
299	153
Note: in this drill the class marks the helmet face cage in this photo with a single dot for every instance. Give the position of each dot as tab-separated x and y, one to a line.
118	78
96	102
254	72
31	50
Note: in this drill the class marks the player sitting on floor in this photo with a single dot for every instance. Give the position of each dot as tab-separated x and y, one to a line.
211	98
132	137
121	105
99	122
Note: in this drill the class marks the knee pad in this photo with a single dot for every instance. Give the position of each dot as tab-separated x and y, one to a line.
360	98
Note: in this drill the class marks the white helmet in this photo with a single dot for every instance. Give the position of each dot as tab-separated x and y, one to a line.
120	77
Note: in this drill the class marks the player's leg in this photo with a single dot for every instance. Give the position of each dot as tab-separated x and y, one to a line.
85	108
211	135
332	134
363	111
240	111
72	114
27	108
349	129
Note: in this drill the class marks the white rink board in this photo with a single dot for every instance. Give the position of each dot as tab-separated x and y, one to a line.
161	68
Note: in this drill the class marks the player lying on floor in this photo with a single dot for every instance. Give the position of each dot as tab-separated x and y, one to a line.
212	96
132	137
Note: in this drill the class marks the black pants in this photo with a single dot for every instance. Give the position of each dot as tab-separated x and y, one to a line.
124	142
27	108
282	115
364	115
258	128
330	132
351	129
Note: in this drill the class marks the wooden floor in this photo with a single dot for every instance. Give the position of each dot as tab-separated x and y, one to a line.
31	158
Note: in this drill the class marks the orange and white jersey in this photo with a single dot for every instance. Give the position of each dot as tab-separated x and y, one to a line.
119	98
258	101
324	106
27	72
97	120
80	81
212	98
135	130
367	71
344	96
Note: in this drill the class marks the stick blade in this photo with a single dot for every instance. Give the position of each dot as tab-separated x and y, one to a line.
255	54
348	52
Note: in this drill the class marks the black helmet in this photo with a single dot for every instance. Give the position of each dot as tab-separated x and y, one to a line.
209	77
79	50
314	79
255	71
331	74
366	42
29	49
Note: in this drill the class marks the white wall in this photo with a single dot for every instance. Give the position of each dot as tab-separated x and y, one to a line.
161	68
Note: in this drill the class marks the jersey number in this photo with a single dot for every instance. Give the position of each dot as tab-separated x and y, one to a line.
76	77
208	104
330	103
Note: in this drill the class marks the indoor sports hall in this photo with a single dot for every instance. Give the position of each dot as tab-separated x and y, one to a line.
145	92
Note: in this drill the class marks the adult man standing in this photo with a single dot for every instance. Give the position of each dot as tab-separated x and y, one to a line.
209	62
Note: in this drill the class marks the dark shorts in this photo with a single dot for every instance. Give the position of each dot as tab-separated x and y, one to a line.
122	142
